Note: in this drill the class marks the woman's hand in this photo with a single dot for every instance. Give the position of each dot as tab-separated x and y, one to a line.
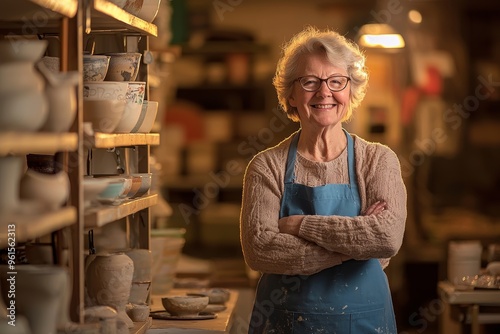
375	208
290	224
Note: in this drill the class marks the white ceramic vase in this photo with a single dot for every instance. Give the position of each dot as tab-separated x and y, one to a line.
38	295
51	189
108	279
10	175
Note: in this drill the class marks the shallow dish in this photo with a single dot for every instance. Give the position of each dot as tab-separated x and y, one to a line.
167	316
184	305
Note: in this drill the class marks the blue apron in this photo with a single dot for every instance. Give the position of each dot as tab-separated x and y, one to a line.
352	297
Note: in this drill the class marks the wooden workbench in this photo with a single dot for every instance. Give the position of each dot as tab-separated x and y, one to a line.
219	325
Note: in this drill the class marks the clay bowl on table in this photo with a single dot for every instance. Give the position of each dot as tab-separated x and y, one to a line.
123	66
184	305
215	295
95	67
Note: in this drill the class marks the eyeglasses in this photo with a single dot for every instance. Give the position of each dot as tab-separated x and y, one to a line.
335	83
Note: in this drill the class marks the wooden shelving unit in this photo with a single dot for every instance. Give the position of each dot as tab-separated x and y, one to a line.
47	143
102	215
70	20
107	140
33	225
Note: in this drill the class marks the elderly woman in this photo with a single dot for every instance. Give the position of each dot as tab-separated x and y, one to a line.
324	210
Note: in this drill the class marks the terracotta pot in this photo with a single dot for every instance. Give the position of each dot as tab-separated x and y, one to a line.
108	281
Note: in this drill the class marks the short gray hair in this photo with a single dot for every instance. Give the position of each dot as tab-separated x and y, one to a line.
339	50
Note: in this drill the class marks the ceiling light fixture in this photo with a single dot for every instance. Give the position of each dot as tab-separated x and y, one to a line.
380	35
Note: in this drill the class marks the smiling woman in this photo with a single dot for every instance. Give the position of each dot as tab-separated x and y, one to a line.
324	210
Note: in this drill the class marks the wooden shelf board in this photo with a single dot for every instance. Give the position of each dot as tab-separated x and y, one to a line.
106	16
37	142
37	10
109	140
454	296
100	216
31	226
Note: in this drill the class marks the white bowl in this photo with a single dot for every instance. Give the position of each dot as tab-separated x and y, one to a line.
105	90
95	67
149	10
103	114
22	50
23	111
147	118
123	66
135	98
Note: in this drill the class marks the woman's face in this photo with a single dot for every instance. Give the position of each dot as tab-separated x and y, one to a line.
322	108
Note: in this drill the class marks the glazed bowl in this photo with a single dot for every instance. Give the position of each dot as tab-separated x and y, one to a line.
123	66
135	98
147	118
146	179
105	90
112	192
184	305
92	187
95	67
136	185
22	50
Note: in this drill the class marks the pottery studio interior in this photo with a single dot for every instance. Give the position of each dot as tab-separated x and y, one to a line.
126	129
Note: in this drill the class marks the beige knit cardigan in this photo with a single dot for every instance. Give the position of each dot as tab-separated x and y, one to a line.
323	241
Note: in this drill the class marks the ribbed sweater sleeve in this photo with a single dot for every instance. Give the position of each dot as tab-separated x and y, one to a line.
266	249
363	237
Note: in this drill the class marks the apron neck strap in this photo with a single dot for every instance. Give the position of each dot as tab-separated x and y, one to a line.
292	156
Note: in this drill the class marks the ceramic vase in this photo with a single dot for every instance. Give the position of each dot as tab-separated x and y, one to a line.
38	295
51	189
10	175
109	278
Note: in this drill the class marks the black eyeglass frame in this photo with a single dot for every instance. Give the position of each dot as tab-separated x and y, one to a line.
323	80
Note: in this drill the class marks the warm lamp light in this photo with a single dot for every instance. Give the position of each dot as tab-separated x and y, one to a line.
380	35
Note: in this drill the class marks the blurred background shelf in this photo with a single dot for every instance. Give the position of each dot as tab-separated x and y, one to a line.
43	143
108	140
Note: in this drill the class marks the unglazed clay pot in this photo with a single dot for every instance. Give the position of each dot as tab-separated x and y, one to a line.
38	295
108	280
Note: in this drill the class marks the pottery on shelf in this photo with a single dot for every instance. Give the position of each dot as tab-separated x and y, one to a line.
135	98
123	66
10	176
149	10
108	279
147	118
51	189
22	76
184	305
15	50
20	105
39	295
95	67
61	95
